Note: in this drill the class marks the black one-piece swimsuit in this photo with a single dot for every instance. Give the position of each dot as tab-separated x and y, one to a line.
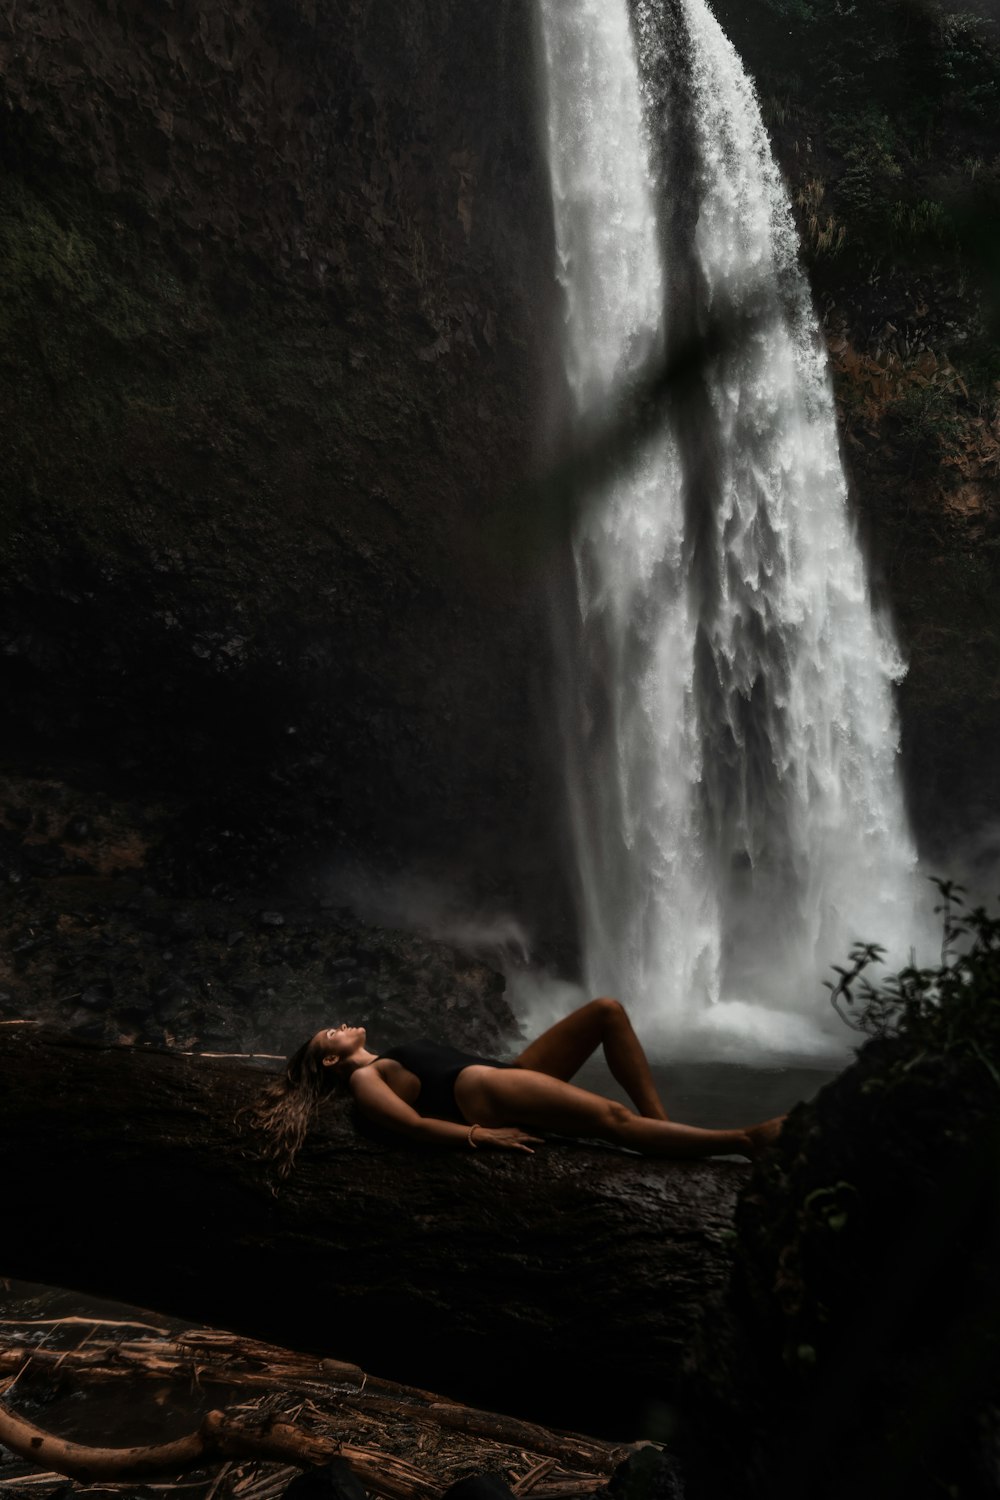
437	1065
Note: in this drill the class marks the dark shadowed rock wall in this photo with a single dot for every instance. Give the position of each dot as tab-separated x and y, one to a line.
275	343
277	280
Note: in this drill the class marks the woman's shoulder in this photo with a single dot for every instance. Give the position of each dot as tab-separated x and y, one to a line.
370	1070
374	1075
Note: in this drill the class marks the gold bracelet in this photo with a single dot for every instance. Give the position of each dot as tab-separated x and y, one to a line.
469	1137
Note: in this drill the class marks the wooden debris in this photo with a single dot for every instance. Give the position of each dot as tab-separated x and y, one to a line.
20	1482
532	1477
87	1322
403	1443
577	1452
210	1358
220	1434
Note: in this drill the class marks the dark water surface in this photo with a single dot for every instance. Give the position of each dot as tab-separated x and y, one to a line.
720	1095
94	1413
33	1314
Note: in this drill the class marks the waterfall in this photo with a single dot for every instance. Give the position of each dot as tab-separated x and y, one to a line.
731	739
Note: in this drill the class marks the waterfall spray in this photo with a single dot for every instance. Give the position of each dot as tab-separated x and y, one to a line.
731	737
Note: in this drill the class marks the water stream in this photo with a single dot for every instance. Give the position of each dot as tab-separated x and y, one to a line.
732	746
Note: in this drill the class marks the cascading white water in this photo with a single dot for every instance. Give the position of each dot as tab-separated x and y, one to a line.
731	734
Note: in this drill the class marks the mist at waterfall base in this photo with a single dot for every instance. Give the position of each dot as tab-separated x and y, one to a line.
744	1079
728	713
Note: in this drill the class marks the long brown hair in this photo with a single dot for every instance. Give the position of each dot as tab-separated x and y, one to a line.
284	1113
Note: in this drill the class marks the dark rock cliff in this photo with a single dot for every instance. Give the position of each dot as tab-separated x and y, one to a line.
275	344
859	1351
277	300
276	279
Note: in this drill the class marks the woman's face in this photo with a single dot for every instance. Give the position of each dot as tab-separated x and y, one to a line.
336	1042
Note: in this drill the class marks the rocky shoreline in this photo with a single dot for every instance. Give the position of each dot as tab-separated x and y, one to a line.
97	940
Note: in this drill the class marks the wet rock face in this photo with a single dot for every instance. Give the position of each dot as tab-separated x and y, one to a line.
272	355
299	132
91	947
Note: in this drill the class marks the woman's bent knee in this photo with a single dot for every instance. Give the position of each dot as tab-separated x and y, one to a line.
608	1008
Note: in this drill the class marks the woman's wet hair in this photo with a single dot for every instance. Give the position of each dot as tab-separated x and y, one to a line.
284	1114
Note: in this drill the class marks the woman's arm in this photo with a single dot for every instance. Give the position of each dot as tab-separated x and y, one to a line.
378	1103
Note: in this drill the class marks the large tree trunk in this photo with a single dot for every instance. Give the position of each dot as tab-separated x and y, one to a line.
565	1284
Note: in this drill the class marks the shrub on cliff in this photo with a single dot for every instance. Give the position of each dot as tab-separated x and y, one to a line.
952	1006
869	1245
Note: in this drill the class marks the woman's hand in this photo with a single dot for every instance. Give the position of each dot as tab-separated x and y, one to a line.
504	1138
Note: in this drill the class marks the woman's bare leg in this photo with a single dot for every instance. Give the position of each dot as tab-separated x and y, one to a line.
564	1048
537	1101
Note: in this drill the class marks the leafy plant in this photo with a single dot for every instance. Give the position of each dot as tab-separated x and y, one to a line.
867	1250
822	233
925	224
798	10
949	1007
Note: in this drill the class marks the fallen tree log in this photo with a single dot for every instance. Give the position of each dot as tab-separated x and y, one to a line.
201	1357
565	1285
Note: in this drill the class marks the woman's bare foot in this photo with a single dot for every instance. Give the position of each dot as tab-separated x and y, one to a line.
763	1135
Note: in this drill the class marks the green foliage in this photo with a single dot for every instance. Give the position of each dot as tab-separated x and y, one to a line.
924	223
968	68
902	98
867	193
946	1009
133	385
61	263
831	1206
925	417
796	10
926	59
869	1244
867	136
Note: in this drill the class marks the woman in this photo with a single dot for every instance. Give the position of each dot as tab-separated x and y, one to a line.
437	1095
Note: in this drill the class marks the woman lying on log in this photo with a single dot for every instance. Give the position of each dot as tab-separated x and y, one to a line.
435	1094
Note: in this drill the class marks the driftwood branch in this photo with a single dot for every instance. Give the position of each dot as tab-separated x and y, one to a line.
220	1435
69	1322
209	1358
78	1461
201	1357
341	1395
